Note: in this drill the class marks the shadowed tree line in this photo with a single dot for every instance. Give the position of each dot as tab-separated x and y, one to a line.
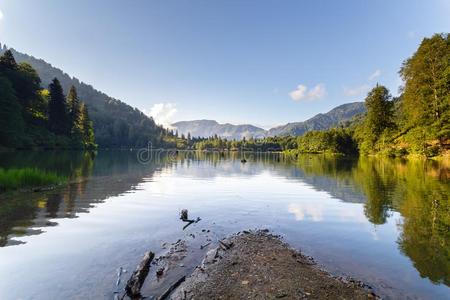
31	116
115	124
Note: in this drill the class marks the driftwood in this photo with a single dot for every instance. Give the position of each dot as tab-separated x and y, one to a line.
171	288
224	245
134	284
119	273
205	245
189	222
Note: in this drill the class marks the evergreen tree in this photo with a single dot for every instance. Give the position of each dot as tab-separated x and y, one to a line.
24	79
7	61
27	85
88	130
74	108
11	121
58	117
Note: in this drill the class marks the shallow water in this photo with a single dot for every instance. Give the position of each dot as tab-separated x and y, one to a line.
385	222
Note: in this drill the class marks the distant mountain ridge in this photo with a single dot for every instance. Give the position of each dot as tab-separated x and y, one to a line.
206	128
322	121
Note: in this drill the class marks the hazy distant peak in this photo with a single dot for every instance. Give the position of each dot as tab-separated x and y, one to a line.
321	121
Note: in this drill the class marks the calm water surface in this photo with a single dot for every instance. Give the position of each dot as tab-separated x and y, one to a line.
386	222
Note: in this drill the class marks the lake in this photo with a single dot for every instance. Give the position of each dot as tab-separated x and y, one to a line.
383	221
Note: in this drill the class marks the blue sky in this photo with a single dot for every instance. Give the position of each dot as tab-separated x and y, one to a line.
259	62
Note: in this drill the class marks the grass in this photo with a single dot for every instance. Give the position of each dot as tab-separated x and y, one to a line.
13	179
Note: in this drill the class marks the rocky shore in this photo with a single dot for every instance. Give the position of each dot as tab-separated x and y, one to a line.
259	265
247	265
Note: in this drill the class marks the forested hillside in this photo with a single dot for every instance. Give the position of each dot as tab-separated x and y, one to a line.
417	122
31	116
116	124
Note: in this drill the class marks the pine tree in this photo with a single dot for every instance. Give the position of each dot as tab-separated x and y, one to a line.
58	117
88	130
11	121
7	61
74	107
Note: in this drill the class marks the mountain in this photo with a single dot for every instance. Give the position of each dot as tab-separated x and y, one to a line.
116	124
334	117
206	128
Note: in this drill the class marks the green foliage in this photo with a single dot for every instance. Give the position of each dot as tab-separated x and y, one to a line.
75	118
379	119
34	117
58	117
87	129
7	61
338	141
418	122
11	121
426	95
258	145
116	124
27	85
28	177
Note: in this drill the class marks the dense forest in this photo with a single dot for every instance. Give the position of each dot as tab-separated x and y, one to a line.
417	122
31	116
116	124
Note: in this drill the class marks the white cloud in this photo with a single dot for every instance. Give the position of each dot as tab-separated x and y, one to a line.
304	211
375	74
317	92
302	92
299	93
1	15
356	91
162	113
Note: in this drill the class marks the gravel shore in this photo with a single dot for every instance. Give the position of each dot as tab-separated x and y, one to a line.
259	265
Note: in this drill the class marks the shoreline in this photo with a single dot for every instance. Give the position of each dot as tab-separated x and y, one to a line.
246	265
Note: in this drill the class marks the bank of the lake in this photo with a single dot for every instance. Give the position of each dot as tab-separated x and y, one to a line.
27	179
259	265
